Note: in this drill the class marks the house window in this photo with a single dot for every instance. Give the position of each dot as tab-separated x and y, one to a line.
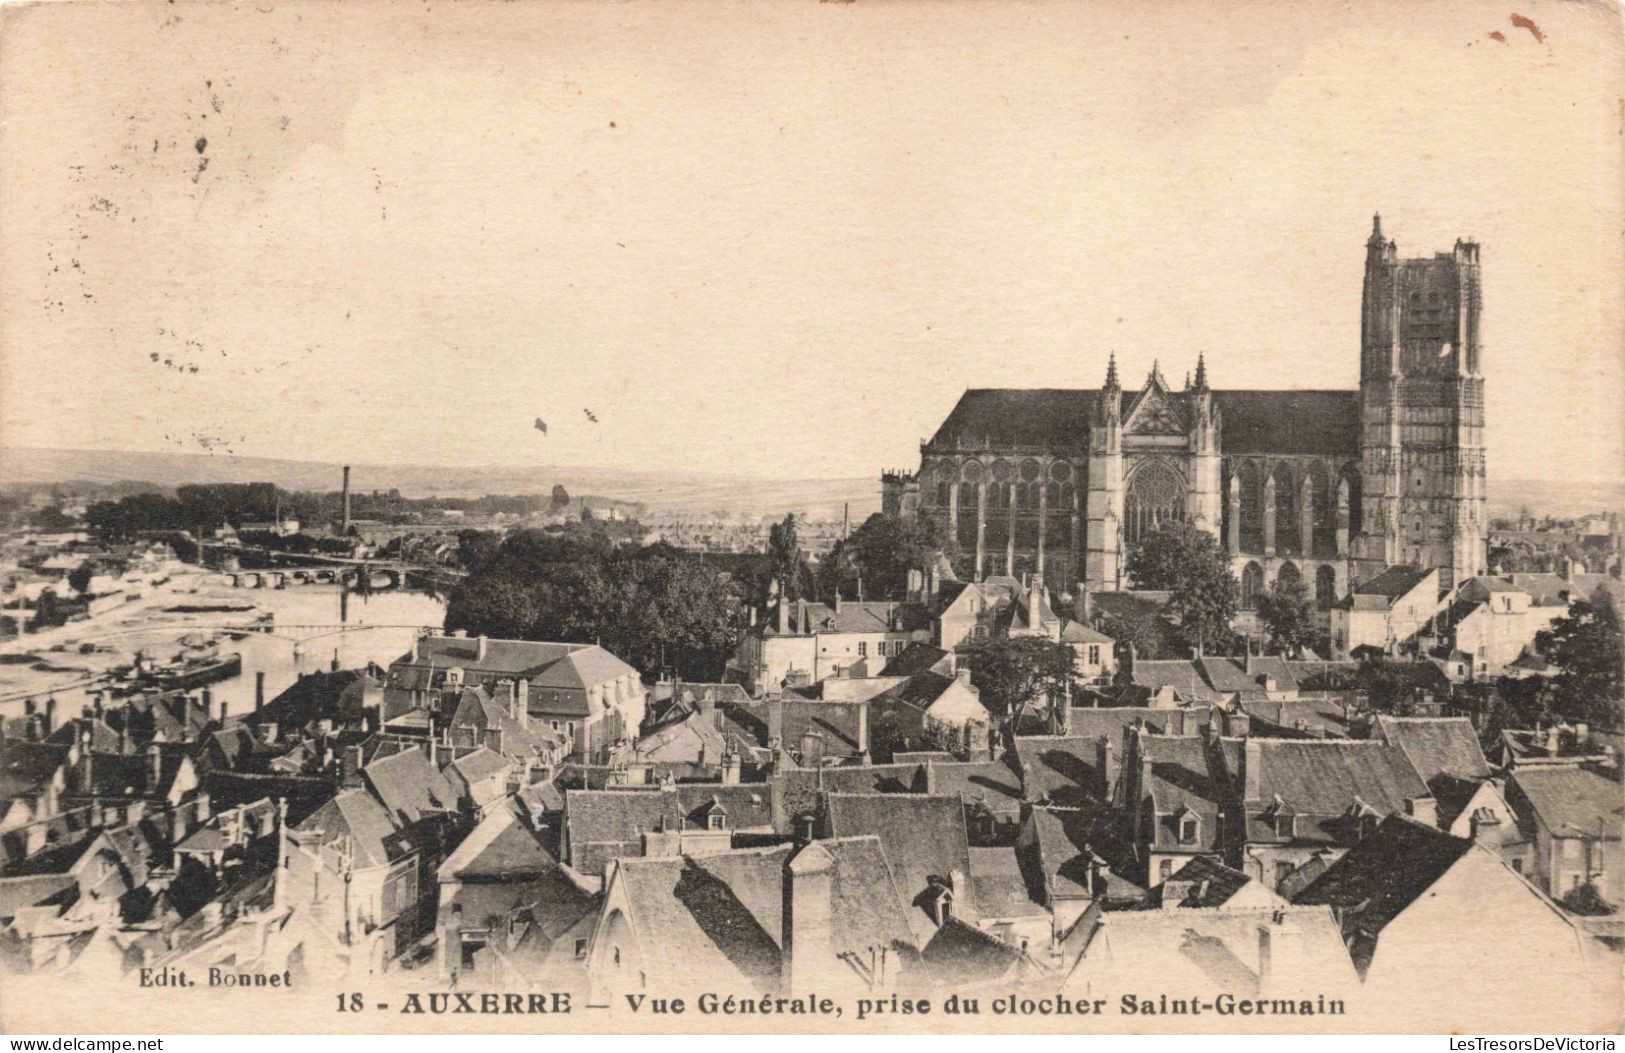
1094	654
1517	865
1187	830
863	648
1165	869
555	725
1283	825
717	822
1282	872
581	949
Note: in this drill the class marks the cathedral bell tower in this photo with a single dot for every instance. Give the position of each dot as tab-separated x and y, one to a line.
1421	413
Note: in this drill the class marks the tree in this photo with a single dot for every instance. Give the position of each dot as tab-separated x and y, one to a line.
1189	564
50	610
1013	673
653	606
785	563
1585	900
881	552
1585	645
475	548
560	499
1288	615
79	577
1137	632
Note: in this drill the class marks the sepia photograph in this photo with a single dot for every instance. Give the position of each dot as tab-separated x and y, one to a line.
861	517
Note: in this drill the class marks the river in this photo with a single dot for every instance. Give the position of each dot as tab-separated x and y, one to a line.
313	625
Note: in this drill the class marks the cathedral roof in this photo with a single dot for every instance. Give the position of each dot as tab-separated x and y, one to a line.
1309	422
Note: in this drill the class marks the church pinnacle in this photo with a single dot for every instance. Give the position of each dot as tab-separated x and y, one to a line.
1201	372
1111	371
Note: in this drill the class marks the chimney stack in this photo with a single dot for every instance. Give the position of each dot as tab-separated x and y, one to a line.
1423	810
808	937
1486	829
259	690
50	714
350	773
1252	761
1105	767
155	767
775	720
346	529
731	766
225	708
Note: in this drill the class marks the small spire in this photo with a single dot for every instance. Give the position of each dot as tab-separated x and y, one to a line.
1111	371
1201	372
1376	239
1187	380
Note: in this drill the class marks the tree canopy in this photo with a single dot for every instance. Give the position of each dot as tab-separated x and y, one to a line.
1288	615
653	606
1015	673
79	577
786	564
880	553
1585	645
1203	595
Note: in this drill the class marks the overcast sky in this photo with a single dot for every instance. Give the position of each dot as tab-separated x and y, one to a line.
775	238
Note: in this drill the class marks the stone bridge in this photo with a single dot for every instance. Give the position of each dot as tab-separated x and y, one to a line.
378	578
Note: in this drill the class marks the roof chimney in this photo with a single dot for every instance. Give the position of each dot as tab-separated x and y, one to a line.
809	918
1105	767
1423	810
155	768
480	648
1252	764
1486	828
350	774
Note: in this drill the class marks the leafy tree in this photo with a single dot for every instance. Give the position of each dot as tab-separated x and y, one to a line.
79	577
51	610
879	554
1189	564
785	563
475	548
560	500
1137	632
50	519
1014	673
1288	615
1585	900
653	606
1585	645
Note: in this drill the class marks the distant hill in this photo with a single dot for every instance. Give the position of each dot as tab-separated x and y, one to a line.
662	492
1554	497
659	491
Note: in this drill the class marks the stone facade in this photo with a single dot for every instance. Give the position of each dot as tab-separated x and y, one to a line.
1325	485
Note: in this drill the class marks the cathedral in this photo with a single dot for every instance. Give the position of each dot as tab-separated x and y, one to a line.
1328	486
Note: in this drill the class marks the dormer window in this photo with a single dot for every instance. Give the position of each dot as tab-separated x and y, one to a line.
716	821
1188	827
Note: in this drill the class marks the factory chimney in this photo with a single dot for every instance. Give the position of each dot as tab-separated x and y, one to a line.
346	499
